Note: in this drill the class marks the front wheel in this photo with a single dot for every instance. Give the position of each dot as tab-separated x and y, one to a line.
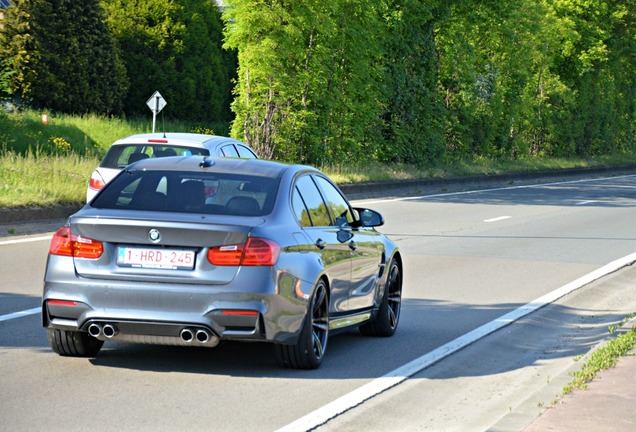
312	342
73	343
386	322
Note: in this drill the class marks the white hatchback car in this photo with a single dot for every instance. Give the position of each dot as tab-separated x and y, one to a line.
127	150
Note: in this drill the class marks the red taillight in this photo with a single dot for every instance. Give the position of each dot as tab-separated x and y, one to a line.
226	255
260	252
158	140
61	303
239	312
67	244
97	182
61	242
256	252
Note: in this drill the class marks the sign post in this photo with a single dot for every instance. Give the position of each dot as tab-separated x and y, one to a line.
156	104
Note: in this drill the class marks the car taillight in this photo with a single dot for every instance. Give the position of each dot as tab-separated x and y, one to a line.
256	252
97	182
239	312
260	252
61	303
67	244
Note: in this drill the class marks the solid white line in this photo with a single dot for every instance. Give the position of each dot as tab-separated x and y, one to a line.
25	240
497	219
395	377
20	314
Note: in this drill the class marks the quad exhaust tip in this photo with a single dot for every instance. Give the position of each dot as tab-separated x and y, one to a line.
109	331
95	330
191	335
187	335
202	336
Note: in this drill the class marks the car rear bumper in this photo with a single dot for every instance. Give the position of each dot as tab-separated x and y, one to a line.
176	314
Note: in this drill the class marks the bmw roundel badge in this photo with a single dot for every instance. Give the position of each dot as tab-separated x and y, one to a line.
154	235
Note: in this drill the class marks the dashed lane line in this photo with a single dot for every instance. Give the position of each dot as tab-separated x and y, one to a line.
497	219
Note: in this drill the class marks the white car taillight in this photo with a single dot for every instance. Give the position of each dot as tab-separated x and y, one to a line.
97	182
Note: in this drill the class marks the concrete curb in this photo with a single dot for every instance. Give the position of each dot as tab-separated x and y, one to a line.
30	214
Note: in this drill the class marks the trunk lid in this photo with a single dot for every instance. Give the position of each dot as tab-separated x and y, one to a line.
152	247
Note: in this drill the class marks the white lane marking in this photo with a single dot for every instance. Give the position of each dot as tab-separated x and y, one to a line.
476	191
26	240
497	219
20	314
356	397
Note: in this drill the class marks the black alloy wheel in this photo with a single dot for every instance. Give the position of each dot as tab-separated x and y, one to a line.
312	342
386	321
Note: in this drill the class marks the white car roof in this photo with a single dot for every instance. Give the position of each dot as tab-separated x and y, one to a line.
175	138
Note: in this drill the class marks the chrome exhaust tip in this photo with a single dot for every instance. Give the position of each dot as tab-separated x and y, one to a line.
186	335
94	330
202	336
109	331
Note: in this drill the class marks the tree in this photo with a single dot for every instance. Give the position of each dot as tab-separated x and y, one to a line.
485	54
599	66
413	121
58	54
531	78
174	46
309	78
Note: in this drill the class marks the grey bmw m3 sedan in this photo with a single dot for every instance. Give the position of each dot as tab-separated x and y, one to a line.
193	250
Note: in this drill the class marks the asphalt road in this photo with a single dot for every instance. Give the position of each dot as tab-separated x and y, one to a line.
454	364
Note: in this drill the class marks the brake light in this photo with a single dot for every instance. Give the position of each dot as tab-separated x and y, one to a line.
260	252
97	182
158	140
65	243
226	255
256	252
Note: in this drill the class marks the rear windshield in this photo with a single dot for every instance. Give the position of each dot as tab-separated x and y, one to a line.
120	156
189	192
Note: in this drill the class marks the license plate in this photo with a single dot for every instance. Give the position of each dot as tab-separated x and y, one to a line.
171	259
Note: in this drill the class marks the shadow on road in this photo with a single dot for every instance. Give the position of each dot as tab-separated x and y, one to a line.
553	331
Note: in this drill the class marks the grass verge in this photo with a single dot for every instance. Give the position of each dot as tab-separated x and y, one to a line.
45	164
603	358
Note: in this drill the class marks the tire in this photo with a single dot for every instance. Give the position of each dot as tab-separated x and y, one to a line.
312	342
73	343
386	322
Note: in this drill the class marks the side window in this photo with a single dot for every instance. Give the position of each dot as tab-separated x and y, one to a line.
335	201
245	152
318	214
302	215
229	151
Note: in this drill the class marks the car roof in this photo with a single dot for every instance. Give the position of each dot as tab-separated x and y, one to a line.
177	138
256	167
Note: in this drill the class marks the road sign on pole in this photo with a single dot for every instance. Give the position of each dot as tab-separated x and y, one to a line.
156	104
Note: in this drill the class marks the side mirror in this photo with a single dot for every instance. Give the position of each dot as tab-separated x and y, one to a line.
369	218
